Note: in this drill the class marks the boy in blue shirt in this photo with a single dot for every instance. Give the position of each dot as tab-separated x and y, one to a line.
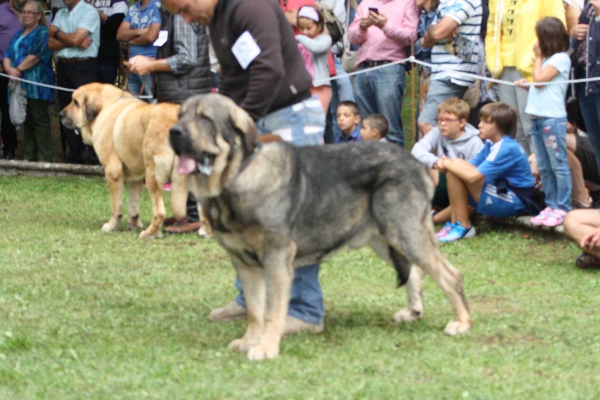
497	181
348	119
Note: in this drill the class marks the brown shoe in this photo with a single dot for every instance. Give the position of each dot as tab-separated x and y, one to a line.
295	325
169	221
183	226
231	312
587	261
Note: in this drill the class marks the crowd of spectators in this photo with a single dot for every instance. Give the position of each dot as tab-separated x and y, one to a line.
532	45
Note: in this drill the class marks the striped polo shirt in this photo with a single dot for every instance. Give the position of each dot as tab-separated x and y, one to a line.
465	52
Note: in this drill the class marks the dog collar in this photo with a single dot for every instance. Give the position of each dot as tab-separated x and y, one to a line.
251	157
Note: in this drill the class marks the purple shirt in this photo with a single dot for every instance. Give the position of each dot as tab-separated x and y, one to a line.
9	25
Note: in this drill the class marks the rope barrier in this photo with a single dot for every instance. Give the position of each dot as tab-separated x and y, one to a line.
453	73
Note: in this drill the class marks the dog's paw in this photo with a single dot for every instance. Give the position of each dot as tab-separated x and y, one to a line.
457	327
203	233
147	234
241	345
134	224
109	227
407	315
263	351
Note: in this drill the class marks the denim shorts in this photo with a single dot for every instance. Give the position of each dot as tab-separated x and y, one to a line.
439	90
302	124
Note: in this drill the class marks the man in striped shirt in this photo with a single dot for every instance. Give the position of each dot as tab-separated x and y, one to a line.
456	47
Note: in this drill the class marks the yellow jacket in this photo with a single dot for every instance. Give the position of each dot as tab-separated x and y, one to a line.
528	14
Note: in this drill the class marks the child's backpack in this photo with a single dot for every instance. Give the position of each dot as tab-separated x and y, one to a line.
333	26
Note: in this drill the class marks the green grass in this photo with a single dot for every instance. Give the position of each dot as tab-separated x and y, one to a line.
87	315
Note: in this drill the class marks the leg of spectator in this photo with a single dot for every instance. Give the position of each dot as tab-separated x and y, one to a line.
459	199
579	223
389	93
544	163
86	72
365	95
29	133
580	193
8	130
590	110
517	98
71	143
43	135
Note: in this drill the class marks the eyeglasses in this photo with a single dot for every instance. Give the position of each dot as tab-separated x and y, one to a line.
446	120
29	13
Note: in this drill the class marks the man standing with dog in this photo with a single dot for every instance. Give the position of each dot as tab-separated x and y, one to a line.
263	72
181	70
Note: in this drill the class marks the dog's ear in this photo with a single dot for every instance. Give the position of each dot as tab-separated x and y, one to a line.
92	106
245	127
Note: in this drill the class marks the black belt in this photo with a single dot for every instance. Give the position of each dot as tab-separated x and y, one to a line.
72	60
371	64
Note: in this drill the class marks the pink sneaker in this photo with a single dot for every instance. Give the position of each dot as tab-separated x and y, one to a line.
167	187
539	219
555	218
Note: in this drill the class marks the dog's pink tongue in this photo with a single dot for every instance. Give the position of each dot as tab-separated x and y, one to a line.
186	165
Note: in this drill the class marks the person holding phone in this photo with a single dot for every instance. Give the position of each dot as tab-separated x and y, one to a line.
384	30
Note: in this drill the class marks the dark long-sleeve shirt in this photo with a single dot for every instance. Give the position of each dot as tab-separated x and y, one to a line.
276	78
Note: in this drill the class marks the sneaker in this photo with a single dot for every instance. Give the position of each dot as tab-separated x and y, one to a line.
458	232
587	261
295	325
444	231
183	226
541	217
555	218
231	312
168	186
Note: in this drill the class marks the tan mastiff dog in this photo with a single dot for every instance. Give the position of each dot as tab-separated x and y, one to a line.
131	138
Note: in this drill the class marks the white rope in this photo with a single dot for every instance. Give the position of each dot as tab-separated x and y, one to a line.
54	87
451	72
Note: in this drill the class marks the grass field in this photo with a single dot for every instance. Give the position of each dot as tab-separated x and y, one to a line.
87	315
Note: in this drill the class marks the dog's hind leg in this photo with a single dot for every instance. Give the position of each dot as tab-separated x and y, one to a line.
113	172
253	284
421	247
135	193
278	262
403	267
411	234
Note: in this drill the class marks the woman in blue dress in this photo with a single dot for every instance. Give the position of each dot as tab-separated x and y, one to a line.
28	57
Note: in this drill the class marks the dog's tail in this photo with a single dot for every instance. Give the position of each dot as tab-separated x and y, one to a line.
402	266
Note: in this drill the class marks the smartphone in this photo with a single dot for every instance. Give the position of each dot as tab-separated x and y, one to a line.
374	9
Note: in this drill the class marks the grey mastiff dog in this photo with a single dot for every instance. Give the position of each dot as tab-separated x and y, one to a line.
274	207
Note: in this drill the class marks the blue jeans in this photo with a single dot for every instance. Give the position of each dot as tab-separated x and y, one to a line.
134	84
549	137
298	124
381	92
590	109
341	91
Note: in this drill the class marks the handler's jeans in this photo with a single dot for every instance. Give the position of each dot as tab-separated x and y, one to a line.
302	124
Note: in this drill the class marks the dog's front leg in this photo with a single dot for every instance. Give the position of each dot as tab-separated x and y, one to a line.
113	173
253	285
279	272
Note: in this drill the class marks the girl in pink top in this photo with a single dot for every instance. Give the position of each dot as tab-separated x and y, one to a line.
314	45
